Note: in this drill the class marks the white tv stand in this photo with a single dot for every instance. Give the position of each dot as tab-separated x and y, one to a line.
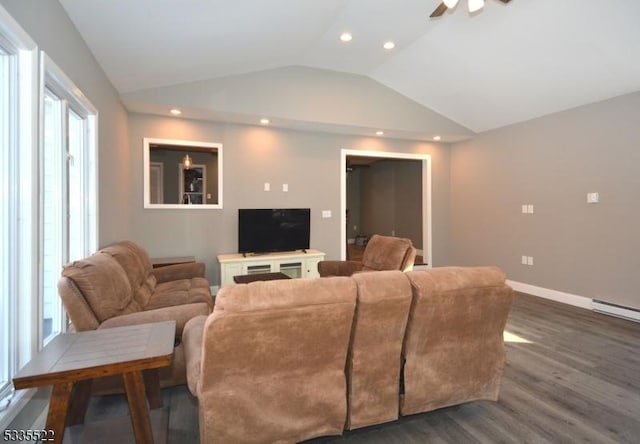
295	264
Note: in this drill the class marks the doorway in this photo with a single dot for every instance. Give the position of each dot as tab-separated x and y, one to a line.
351	158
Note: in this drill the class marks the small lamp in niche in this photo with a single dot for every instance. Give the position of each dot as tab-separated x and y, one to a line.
186	162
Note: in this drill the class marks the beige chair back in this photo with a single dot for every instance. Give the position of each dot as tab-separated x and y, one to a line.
273	361
454	349
388	253
373	369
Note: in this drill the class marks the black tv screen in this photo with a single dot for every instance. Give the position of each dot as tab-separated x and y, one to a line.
265	230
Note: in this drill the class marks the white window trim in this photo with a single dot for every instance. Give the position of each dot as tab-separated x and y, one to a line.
23	233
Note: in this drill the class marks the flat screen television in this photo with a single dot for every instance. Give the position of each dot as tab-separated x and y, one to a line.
267	230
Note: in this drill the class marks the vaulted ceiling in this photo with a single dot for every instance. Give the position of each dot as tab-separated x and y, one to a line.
505	64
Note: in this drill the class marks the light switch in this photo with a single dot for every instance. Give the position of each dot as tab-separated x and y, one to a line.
285	187
593	197
530	209
267	186
326	214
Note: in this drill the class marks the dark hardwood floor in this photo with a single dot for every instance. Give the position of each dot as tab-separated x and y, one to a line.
571	376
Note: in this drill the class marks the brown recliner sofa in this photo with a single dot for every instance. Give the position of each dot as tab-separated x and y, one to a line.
381	253
436	333
117	286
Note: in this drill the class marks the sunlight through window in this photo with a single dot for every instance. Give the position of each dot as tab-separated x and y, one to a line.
512	337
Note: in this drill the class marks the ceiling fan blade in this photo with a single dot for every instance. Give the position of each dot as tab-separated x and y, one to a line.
439	10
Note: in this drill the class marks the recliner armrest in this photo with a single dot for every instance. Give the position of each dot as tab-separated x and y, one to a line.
179	271
192	343
338	268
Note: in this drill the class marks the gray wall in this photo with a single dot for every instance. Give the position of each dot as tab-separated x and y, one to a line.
552	163
49	26
308	162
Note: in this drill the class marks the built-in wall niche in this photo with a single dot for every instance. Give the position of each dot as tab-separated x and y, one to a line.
170	182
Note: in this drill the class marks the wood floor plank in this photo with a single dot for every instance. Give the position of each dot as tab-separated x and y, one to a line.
574	377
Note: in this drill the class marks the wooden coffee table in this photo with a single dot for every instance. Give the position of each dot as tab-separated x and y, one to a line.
247	278
71	360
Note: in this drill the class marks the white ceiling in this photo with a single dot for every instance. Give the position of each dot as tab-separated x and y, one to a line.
506	64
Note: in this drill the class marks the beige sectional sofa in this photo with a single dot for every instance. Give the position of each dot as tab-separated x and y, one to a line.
285	361
118	286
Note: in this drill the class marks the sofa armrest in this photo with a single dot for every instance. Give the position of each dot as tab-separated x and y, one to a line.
179	271
192	343
338	268
180	313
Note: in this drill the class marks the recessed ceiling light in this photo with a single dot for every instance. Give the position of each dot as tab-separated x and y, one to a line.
264	121
175	112
437	138
379	133
346	37
389	45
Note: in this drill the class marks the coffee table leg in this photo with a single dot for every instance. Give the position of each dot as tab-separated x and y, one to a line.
134	385
78	402
152	388
58	408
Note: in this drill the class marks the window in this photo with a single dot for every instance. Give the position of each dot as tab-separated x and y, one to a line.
48	199
67	227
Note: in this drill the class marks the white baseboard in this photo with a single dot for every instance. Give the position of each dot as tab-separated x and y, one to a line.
554	295
577	301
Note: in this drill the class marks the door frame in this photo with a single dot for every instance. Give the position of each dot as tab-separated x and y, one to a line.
427	249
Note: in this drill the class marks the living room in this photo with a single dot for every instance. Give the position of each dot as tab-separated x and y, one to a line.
480	179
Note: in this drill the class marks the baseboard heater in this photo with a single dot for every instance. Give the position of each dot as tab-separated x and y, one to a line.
619	311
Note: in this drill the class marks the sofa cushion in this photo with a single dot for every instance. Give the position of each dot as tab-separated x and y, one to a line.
104	284
179	313
133	259
184	291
